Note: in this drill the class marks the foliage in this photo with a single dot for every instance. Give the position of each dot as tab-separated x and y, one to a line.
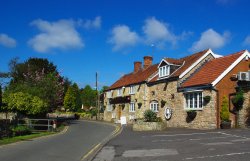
238	100
30	68
89	96
1	96
207	99
72	99
25	103
104	88
150	116
224	113
39	81
93	112
21	130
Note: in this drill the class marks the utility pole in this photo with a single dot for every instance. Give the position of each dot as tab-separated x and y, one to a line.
97	98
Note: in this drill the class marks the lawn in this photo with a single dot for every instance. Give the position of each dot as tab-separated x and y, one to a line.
28	137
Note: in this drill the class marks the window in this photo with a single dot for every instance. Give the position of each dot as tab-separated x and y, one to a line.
109	94
154	106
193	100
119	92
109	106
132	107
164	71
132	90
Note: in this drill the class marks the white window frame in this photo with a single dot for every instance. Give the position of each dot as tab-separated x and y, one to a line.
109	106
109	94
164	71
193	100
154	106
132	90
132	107
119	92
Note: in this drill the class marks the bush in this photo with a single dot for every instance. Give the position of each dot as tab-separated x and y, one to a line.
238	100
150	116
21	130
93	112
224	113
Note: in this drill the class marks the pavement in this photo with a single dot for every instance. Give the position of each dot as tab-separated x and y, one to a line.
73	145
178	145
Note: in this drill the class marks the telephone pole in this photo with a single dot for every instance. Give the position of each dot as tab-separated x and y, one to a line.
97	98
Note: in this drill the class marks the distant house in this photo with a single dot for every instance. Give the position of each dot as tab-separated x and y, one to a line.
175	86
127	96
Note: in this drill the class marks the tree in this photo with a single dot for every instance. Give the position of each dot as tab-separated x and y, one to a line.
25	103
72	99
104	88
30	68
38	78
1	97
89	96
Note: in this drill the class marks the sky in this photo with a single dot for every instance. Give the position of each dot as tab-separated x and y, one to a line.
82	37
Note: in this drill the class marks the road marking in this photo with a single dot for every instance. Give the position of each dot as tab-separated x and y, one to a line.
218	143
98	147
216	156
149	153
237	136
191	134
107	153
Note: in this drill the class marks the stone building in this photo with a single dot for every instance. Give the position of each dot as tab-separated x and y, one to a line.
175	87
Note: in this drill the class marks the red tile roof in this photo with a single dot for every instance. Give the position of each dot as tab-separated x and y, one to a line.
134	78
186	61
212	70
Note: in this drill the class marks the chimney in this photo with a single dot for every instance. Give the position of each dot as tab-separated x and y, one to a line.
137	66
147	61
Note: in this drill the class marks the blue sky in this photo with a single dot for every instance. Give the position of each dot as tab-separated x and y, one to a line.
82	37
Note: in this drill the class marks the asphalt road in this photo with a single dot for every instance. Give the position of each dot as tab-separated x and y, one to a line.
79	139
178	145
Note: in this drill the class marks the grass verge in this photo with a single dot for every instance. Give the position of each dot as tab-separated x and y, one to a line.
14	139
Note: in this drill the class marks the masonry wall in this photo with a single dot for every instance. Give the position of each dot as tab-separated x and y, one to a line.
119	110
244	114
205	119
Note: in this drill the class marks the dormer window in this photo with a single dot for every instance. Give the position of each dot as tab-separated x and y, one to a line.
164	71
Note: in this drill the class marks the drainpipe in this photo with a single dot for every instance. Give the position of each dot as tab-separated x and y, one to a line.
217	108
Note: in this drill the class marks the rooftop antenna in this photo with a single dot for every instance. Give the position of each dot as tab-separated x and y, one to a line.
153	50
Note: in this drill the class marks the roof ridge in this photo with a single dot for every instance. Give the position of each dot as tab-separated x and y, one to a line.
230	55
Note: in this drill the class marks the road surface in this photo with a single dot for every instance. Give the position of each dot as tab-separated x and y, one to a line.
79	139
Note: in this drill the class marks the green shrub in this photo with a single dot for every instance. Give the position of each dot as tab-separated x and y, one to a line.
238	100
21	130
150	116
224	113
93	112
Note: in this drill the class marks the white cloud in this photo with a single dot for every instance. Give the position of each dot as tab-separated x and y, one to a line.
55	35
91	24
122	37
210	39
7	41
158	32
247	41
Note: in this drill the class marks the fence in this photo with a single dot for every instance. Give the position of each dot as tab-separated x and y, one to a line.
39	124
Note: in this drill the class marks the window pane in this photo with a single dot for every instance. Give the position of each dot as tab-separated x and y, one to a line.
200	100
191	100
195	100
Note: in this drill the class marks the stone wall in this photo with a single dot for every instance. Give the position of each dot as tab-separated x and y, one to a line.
244	114
205	119
140	96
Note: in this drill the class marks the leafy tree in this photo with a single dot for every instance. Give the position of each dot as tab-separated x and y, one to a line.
89	96
30	68
38	78
103	89
25	103
1	96
72	99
